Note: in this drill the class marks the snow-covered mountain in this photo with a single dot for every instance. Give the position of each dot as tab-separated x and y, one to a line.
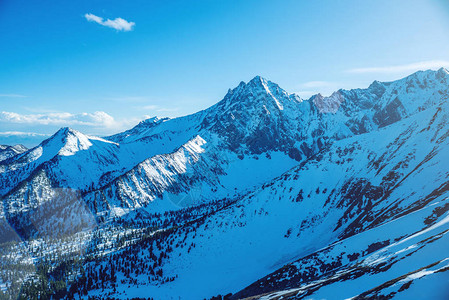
264	194
10	151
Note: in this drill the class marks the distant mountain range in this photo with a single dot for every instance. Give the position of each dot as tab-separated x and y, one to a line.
263	195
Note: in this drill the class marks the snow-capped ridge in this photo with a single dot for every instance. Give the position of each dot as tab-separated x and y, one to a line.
258	92
423	77
71	141
7	151
153	121
20	147
443	70
17	148
140	130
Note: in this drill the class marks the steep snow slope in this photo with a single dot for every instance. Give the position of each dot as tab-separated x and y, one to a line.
211	174
356	184
411	254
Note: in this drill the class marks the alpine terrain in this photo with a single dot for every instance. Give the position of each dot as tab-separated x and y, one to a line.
262	196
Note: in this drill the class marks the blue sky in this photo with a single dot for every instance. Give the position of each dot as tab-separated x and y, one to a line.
102	75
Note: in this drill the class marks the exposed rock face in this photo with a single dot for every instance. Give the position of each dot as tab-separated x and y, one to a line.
329	104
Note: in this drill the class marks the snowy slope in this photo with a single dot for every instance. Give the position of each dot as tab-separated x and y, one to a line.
253	121
263	192
65	155
344	192
410	257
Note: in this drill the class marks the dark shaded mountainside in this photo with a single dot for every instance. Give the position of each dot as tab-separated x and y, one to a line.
263	195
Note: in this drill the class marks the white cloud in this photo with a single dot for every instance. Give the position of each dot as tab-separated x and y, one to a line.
93	18
97	119
118	23
423	65
22	134
18	128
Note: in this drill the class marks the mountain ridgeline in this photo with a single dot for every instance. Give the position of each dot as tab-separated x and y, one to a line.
263	194
10	151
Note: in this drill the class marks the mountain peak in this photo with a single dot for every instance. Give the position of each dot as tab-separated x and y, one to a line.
261	83
256	88
442	72
258	80
329	104
65	131
68	141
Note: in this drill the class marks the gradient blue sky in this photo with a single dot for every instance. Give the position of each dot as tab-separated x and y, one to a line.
57	69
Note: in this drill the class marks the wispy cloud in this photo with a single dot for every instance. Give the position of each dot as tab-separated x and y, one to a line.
12	96
423	65
98	119
311	88
22	134
158	108
317	84
306	94
118	23
150	107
